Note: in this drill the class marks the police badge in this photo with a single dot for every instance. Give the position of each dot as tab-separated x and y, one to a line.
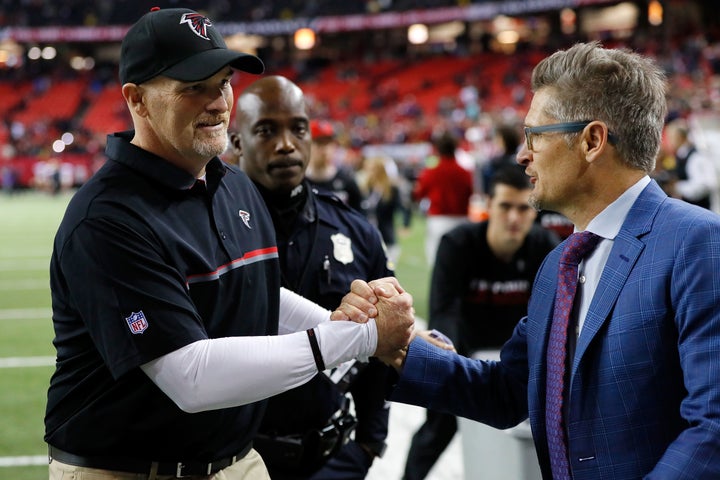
342	248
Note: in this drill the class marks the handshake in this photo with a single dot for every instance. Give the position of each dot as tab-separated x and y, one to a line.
392	308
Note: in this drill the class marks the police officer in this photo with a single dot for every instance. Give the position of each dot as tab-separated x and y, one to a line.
323	246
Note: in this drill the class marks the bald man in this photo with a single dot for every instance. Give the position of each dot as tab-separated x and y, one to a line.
323	246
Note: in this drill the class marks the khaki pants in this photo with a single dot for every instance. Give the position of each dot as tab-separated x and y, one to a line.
250	467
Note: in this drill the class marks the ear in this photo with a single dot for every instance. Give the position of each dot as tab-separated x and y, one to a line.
134	97
235	143
235	147
595	140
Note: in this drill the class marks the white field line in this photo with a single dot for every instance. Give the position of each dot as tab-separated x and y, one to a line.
27	252
10	362
23	461
13	264
24	313
28	284
24	362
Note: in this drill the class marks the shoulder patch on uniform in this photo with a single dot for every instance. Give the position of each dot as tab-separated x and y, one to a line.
332	198
245	217
137	323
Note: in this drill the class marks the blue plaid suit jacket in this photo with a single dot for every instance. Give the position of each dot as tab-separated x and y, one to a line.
645	382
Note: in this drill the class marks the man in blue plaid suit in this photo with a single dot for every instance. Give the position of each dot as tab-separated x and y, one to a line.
642	380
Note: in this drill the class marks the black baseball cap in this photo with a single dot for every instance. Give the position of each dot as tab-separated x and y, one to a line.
181	44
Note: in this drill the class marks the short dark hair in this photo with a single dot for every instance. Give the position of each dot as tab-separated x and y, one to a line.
446	143
513	176
510	136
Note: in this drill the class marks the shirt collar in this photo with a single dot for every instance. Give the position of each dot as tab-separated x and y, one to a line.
607	223
156	168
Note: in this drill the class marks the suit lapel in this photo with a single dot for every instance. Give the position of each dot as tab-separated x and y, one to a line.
624	254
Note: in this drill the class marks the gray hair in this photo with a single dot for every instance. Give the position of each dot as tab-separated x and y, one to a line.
616	86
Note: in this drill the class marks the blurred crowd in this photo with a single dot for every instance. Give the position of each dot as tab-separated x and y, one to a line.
396	125
34	13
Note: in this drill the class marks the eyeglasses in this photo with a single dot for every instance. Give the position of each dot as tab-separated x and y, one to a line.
565	127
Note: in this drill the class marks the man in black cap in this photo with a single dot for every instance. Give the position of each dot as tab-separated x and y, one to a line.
166	288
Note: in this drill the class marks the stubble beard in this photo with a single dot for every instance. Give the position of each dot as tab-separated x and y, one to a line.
212	146
535	202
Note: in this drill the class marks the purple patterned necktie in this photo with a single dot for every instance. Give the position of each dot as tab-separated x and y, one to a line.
577	247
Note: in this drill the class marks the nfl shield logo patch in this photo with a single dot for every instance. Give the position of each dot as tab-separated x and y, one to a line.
137	322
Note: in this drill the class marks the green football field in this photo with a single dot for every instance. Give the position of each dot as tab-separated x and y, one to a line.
28	222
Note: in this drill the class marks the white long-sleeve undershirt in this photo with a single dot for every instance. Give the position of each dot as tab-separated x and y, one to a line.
227	372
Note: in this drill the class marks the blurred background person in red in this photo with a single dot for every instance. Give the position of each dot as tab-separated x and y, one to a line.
447	188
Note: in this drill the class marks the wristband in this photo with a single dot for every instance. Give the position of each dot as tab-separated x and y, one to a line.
315	349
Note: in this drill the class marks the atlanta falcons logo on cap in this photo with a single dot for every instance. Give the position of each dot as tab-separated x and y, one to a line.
197	23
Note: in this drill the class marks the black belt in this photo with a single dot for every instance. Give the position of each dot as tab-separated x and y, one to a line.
305	452
176	469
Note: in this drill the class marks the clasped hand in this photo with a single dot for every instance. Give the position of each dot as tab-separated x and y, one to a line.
391	306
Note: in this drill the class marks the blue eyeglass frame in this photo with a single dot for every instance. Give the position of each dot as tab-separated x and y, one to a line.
564	127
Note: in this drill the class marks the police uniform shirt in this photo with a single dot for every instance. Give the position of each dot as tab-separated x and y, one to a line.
328	246
477	299
146	261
